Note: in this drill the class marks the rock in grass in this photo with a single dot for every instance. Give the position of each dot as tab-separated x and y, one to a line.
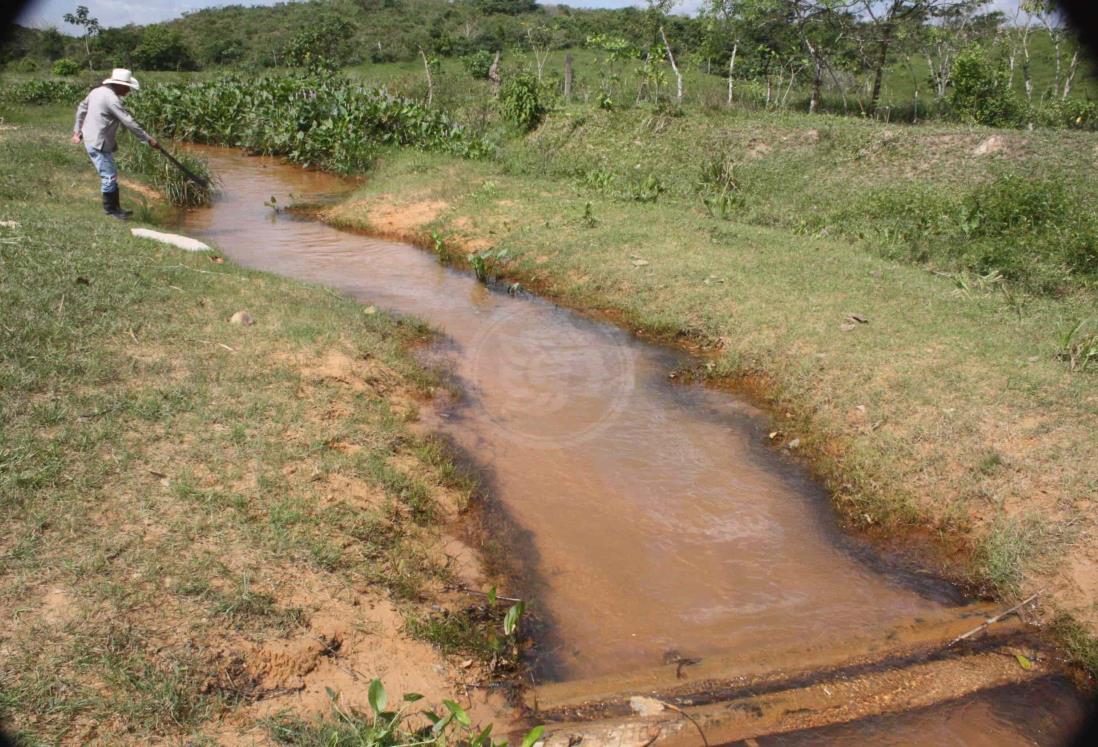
185	243
242	318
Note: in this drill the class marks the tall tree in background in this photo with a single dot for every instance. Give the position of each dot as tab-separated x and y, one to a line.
82	19
1047	13
888	19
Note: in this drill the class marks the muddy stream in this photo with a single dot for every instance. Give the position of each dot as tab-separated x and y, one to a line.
655	518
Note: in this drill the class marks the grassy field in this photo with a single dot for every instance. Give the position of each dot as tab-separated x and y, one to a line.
951	414
206	524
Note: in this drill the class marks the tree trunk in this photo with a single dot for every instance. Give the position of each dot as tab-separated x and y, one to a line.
568	76
817	81
731	70
671	59
1072	68
87	50
882	58
430	83
493	74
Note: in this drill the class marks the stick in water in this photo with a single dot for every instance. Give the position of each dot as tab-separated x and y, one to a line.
995	619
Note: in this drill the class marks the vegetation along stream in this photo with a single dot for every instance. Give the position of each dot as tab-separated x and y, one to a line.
659	524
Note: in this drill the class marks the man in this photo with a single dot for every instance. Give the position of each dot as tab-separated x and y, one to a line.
97	120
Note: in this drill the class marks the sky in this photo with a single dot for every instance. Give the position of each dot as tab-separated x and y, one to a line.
42	13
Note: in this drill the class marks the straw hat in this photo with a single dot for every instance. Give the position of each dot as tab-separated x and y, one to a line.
120	76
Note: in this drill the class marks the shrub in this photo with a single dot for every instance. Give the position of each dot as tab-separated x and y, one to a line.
479	63
163	49
522	102
1078	114
1027	230
321	121
44	92
66	67
322	45
981	91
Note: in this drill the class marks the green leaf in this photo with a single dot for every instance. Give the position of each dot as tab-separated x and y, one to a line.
458	712
412	697
441	724
484	739
510	622
533	736
1023	661
492	596
377	697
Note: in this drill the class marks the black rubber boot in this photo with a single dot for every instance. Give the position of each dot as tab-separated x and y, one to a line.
112	208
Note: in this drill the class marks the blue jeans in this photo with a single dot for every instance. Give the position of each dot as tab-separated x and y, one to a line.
104	164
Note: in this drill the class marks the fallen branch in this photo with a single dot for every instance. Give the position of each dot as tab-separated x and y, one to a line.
992	620
211	342
484	594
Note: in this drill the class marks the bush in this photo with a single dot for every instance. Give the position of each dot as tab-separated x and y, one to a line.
522	102
66	67
981	91
44	92
163	49
1078	114
1028	230
479	64
322	45
323	121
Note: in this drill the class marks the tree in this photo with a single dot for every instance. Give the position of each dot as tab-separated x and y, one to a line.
82	19
324	45
659	9
116	45
162	48
888	17
507	7
1047	13
956	28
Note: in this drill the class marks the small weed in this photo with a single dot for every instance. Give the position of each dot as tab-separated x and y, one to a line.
1078	348
385	726
588	219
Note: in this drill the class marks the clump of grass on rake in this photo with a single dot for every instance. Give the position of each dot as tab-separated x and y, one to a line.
180	191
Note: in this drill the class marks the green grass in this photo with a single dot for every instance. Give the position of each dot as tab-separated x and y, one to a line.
171	483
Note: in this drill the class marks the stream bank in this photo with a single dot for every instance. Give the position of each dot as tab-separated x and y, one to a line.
658	503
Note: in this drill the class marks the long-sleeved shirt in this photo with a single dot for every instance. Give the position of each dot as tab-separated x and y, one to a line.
98	116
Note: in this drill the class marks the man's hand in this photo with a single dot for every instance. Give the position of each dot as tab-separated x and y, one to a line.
154	143
77	137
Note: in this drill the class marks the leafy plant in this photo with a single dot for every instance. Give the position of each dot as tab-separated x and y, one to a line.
1078	348
718	186
66	67
981	91
317	120
347	727
522	101
323	45
478	64
44	92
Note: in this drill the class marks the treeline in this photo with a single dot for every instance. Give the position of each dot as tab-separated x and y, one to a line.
955	58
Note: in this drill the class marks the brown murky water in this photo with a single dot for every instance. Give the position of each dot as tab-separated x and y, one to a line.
657	519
